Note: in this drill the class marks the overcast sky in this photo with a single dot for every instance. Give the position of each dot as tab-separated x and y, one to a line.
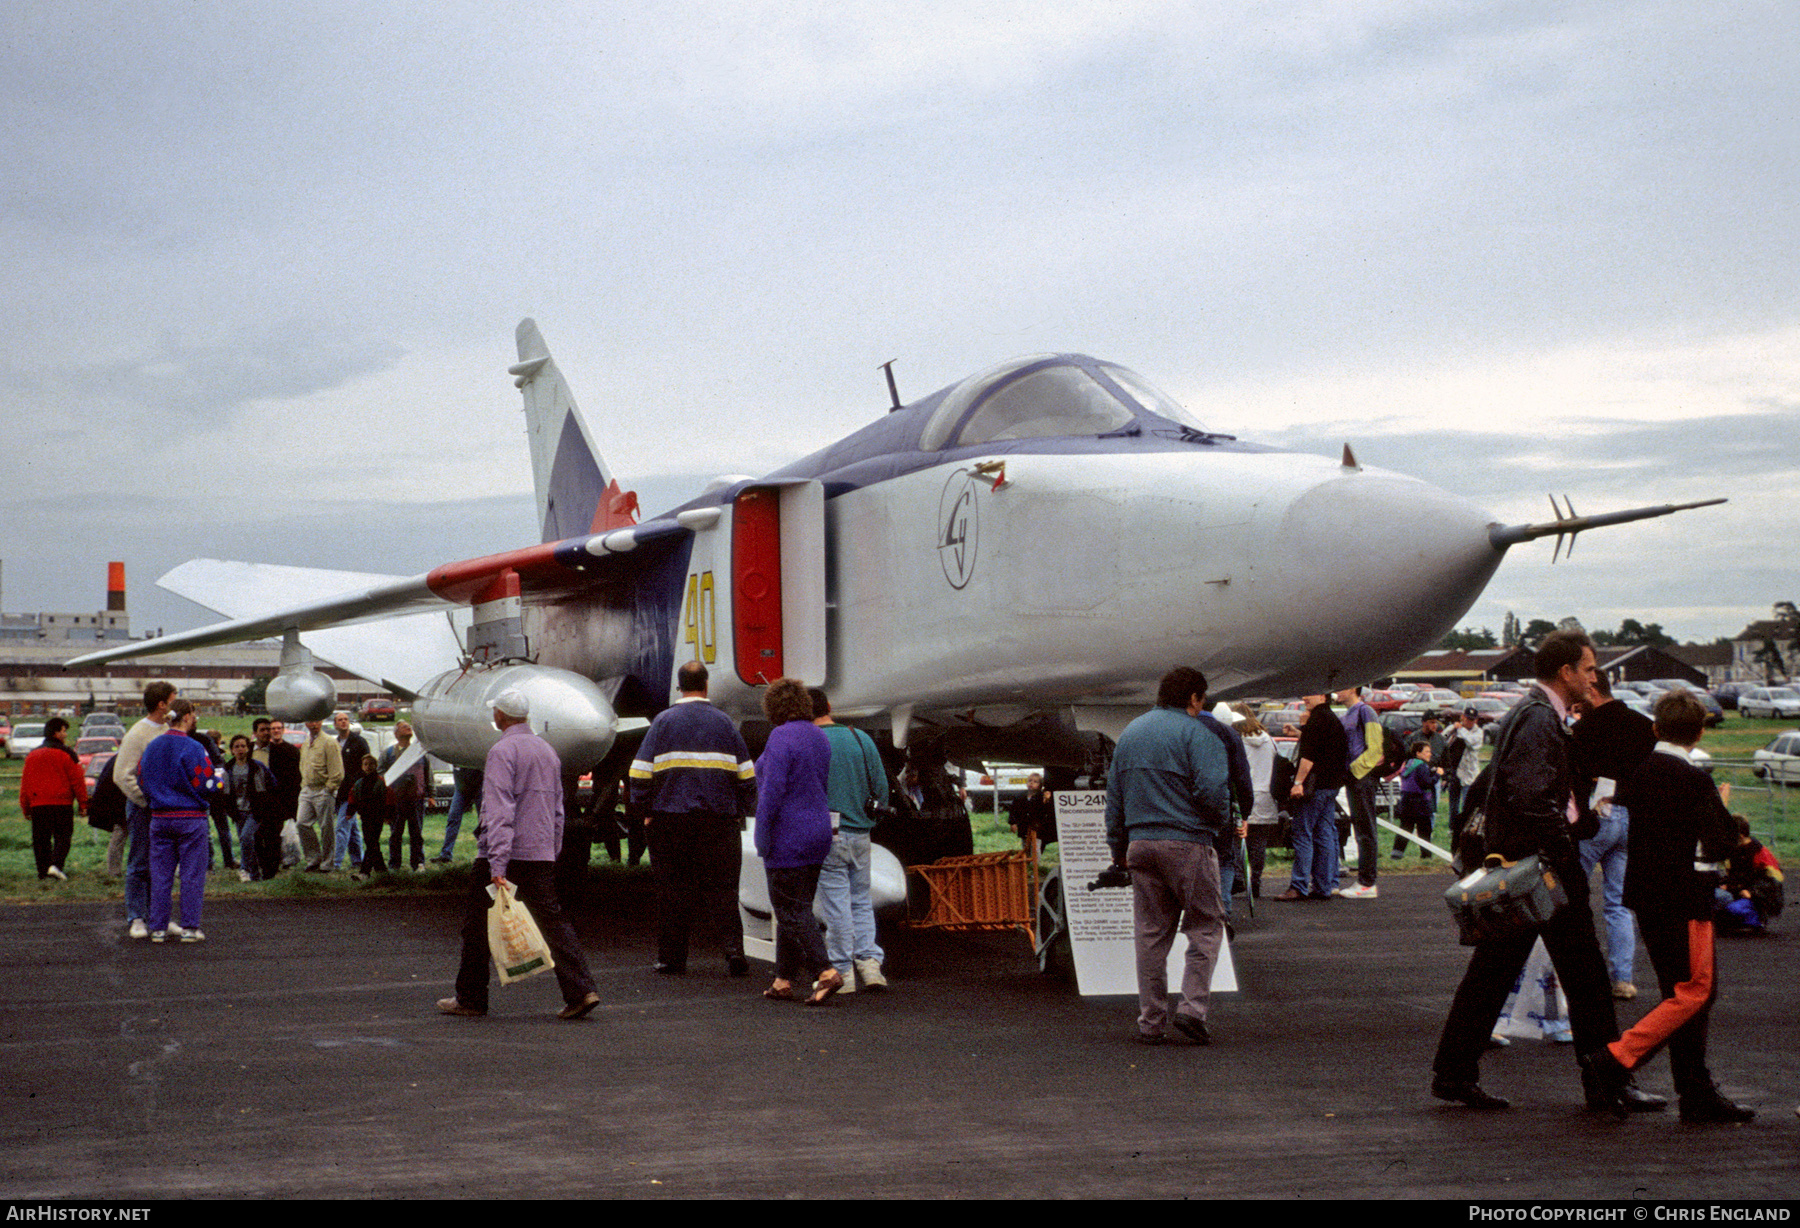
266	259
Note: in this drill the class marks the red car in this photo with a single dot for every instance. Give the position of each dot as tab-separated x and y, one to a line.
378	709
89	748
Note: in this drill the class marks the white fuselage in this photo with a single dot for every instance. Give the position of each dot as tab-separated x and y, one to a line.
1084	578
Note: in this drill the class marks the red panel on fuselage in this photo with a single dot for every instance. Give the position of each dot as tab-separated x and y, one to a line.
756	584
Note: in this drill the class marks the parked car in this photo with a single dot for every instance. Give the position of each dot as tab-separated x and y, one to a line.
1777	703
1274	719
1403	723
377	709
24	738
1715	711
443	784
88	748
1004	780
1449	711
1779	761
1507	699
92	771
1487	711
1440	696
1727	693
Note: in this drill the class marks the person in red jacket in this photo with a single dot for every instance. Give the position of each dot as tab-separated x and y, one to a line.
50	791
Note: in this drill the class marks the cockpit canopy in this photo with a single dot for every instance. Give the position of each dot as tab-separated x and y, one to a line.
1043	396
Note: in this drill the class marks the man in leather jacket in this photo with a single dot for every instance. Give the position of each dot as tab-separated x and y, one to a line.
1534	806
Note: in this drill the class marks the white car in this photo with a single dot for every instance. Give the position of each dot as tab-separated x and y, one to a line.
999	784
24	739
1777	703
1779	761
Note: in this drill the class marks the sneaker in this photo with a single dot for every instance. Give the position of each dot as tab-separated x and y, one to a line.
139	929
870	972
244	876
175	930
1558	1032
56	873
193	935
1624	991
158	936
1360	892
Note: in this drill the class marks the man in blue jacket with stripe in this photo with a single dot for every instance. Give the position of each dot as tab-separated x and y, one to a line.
694	781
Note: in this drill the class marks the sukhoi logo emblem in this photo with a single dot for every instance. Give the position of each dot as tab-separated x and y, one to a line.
958	530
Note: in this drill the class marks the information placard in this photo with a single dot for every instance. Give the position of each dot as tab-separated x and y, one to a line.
1100	930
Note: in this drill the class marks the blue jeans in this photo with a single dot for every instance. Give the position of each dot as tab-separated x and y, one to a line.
1231	863
843	902
1607	847
137	862
1315	845
460	801
349	836
248	858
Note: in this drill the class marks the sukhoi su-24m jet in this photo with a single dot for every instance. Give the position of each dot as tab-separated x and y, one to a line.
1008	564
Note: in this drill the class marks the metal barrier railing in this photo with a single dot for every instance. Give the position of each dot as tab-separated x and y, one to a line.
1767	804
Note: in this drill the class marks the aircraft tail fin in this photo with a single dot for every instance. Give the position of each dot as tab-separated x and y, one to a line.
576	494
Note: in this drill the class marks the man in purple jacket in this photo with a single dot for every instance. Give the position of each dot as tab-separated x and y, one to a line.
177	777
521	834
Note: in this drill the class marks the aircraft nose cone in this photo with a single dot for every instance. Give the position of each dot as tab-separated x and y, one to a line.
1389	562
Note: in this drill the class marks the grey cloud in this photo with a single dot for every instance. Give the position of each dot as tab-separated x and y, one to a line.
199	381
1736	447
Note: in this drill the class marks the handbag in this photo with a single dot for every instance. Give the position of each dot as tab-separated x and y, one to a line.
1504	897
518	947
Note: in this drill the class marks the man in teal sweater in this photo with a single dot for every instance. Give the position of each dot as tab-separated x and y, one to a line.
1167	796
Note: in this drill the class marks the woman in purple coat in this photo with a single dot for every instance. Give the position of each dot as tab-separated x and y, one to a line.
793	836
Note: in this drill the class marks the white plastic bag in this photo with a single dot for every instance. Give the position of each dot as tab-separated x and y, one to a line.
519	949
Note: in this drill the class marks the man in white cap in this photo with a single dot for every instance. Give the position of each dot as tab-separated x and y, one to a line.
521	834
